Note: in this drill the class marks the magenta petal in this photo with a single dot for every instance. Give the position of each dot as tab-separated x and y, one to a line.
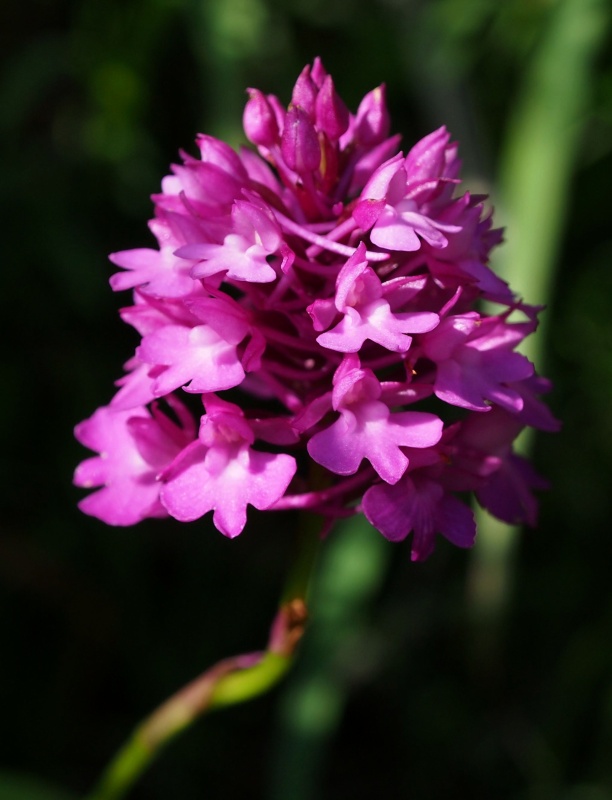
337	448
456	521
384	510
384	179
130	505
142	263
417	428
508	492
391	232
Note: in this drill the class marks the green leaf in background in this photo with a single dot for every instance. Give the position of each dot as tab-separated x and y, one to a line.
22	787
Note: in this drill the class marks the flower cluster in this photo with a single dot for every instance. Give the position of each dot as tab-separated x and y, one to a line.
312	339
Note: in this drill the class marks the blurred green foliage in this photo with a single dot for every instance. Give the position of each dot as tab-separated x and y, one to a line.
99	625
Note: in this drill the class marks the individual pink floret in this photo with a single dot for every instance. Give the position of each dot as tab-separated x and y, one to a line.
420	506
254	236
476	361
201	358
368	429
222	473
160	272
366	312
133	447
390	207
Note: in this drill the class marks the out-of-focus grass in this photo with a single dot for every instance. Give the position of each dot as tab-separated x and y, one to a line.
538	159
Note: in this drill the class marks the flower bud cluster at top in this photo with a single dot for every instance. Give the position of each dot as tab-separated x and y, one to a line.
321	296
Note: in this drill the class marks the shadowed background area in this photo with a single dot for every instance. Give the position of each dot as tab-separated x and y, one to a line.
485	674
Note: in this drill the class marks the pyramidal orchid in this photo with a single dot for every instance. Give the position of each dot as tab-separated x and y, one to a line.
334	284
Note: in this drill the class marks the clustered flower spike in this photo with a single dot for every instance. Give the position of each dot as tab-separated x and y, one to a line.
336	283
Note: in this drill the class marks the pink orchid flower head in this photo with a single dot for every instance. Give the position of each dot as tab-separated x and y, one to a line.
312	336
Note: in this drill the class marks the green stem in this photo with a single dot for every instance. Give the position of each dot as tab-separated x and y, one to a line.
349	576
308	540
238	687
233	680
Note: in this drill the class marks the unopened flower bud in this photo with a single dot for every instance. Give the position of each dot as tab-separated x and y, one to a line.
318	73
300	143
305	92
373	118
259	120
332	116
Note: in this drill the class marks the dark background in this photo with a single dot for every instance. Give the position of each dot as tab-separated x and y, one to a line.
485	674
